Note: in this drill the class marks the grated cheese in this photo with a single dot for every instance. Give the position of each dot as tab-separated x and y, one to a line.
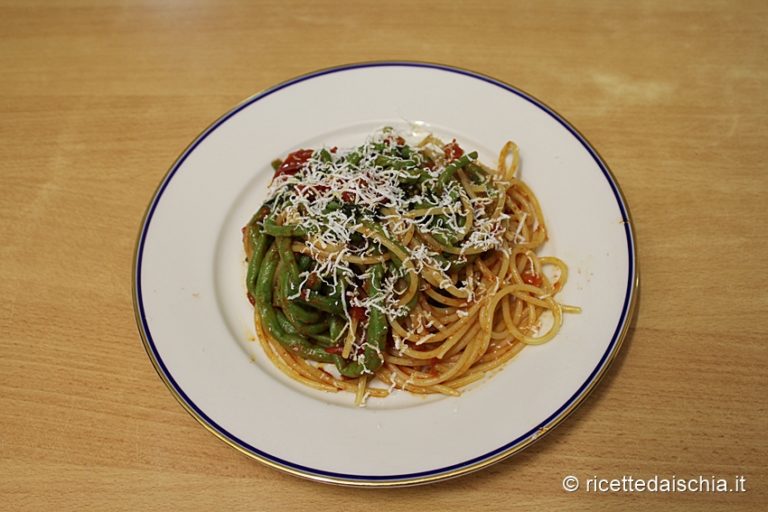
334	194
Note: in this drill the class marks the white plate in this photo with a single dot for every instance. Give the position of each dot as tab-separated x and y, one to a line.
197	325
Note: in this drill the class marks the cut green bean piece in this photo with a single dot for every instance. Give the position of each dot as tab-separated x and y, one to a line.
454	166
294	342
285	230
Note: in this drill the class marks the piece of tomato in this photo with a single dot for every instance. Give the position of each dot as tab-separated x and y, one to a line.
453	151
294	161
357	313
532	279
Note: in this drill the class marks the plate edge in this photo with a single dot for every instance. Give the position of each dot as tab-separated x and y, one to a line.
467	467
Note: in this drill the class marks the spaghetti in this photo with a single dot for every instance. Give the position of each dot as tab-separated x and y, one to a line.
396	266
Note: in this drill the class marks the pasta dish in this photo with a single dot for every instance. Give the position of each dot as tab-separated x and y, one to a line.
397	265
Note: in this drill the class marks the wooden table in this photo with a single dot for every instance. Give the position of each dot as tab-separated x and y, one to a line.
98	98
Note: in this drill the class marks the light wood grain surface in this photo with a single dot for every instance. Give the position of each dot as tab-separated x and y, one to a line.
98	98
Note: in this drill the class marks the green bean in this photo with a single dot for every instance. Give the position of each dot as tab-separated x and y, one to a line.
356	238
323	340
411	176
444	243
258	242
288	260
336	327
460	235
332	292
316	328
412	275
290	281
376	334
423	205
354	158
353	369
457	264
477	174
291	341
441	260
285	230
304	321
297	314
454	166
314	331
322	302
388	162
444	233
445	240
284	323
329	290
254	264
304	262
279	327
332	206
424	176
253	224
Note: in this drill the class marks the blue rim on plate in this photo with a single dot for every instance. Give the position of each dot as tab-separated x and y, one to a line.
442	473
